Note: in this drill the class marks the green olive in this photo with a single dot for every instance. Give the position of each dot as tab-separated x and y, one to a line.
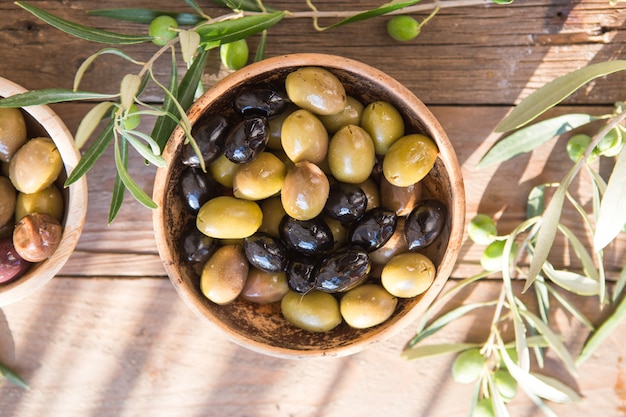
263	287
351	155
408	274
224	274
384	123
367	306
491	259
8	198
372	192
49	200
305	191
317	90
409	159
161	29
276	128
468	365
577	146
273	213
482	229
315	311
12	132
260	178
223	170
304	137
401	200
350	115
339	231
227	217
505	384
403	28
234	55
35	166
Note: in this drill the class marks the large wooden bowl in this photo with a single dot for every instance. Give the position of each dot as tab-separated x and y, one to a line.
42	121
262	327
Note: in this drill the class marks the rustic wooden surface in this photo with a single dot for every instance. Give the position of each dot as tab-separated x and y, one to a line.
109	335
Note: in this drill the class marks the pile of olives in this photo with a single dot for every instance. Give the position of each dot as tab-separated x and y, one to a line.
31	205
310	199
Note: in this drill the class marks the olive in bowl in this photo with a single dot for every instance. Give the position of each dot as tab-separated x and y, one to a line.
41	219
317	238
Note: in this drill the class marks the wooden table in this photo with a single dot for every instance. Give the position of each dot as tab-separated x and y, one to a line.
110	337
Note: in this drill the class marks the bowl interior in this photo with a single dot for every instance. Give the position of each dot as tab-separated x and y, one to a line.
262	327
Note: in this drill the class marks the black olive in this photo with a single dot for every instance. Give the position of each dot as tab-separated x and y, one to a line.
209	134
374	229
300	277
309	237
246	140
196	188
346	202
196	247
265	252
260	102
343	271
424	223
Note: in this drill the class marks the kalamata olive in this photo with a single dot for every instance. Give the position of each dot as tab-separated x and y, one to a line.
300	274
8	198
196	188
197	247
342	271
273	213
350	115
246	139
374	229
409	159
367	306
309	237
260	178
384	124
394	246
425	223
227	217
265	252
346	202
12	265
223	170
37	236
209	134
317	90
402	200
351	155
264	287
260	102
305	191
304	137
224	274
315	311
35	166
408	274
49	200
12	132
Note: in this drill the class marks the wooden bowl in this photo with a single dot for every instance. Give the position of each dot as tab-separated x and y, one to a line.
262	327
42	121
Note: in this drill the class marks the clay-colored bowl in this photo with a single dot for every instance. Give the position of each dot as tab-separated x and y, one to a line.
42	121
262	327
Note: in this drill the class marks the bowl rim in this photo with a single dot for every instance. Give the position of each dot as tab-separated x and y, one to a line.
447	155
39	274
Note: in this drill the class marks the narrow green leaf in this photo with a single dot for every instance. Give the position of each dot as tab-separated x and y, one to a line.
146	16
83	32
128	89
87	62
144	150
164	125
602	332
227	31
556	91
571	281
51	95
581	252
90	122
93	153
189	84
570	307
117	197
536	203
139	194
612	215
369	14
496	399
425	351
529	138
154	147
572	396
12	377
247	5
543	301
194	6
620	284
260	49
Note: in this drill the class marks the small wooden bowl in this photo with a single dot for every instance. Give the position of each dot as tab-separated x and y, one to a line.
261	327
42	121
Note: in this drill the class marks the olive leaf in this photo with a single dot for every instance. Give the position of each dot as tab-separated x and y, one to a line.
247	5
128	89
133	138
90	122
571	281
612	216
570	307
93	153
620	284
12	377
384	9
556	91
146	16
194	6
425	351
121	165
260	49
529	138
581	252
87	63
164	125
227	31
117	197
536	202
496	399
189	42
51	95
81	31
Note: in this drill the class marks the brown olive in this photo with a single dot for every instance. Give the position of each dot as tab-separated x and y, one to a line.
227	217
273	213
12	132
317	90
350	115
408	274
8	198
260	178
304	137
263	287
49	200
36	236
305	190
351	154
12	265
35	166
224	274
400	199
367	306
315	311
409	159
384	123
